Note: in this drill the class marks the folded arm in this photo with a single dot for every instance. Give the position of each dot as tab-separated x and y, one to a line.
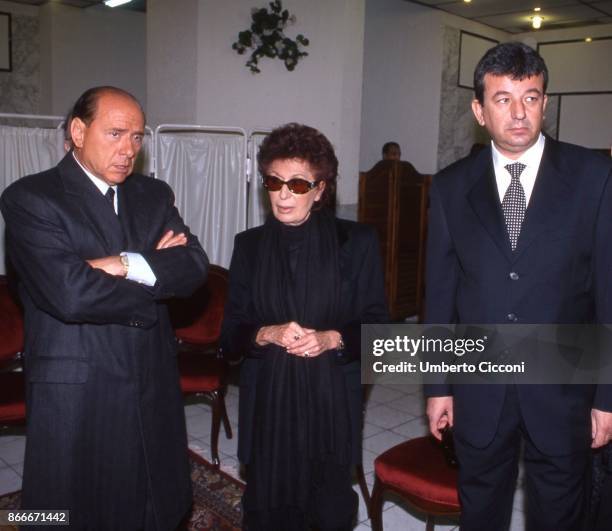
57	278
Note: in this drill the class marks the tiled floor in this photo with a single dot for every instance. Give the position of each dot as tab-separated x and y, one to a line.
393	414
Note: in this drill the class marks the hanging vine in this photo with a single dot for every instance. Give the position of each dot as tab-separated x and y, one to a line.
266	38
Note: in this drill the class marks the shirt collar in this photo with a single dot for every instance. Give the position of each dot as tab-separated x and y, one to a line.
531	158
100	184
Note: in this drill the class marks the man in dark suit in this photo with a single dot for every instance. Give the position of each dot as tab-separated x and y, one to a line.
98	250
520	232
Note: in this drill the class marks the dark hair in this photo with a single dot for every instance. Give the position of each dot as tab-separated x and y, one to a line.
86	106
297	141
388	145
513	59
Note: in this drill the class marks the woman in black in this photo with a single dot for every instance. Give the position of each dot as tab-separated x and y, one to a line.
300	287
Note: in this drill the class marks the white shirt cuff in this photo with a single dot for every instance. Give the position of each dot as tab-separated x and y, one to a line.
140	271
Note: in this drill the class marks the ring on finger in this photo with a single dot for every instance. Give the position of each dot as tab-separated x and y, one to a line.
296	337
306	354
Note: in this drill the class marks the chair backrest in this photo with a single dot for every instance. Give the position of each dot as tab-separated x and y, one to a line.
197	319
11	325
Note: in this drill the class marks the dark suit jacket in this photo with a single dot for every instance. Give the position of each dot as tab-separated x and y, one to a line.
563	275
105	419
362	301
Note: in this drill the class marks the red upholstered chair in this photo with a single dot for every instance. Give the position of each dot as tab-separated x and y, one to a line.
417	470
12	384
197	326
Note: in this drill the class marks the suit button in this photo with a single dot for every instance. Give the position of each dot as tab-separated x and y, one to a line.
513	275
512	318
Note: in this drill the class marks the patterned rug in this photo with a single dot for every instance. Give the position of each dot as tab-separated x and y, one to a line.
216	499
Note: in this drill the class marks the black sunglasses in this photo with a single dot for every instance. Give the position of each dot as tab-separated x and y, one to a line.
295	185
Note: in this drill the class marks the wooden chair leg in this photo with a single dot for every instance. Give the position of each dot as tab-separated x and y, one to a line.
376	503
226	423
214	428
363	486
430	522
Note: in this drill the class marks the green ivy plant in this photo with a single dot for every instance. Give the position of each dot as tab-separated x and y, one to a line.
267	38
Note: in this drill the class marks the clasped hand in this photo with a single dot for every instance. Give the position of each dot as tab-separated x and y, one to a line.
298	340
601	427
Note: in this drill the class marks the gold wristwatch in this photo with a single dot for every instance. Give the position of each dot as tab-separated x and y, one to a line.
340	343
125	262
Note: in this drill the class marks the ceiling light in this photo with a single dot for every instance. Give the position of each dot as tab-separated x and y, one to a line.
115	3
536	22
467	1
588	39
537	9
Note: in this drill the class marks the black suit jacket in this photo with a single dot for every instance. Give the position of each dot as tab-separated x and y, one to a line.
362	301
105	417
563	272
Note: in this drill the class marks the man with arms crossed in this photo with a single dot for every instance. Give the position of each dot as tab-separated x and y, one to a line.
97	250
520	233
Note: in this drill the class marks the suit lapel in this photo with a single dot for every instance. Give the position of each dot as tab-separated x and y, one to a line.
93	205
484	200
549	199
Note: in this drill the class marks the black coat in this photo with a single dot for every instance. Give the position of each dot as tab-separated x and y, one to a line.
105	419
362	300
562	274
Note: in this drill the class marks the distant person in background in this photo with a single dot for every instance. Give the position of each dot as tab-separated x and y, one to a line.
299	288
391	151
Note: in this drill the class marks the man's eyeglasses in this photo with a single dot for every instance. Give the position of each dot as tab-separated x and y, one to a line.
296	185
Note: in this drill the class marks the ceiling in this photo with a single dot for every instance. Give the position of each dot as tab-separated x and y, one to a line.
513	16
134	5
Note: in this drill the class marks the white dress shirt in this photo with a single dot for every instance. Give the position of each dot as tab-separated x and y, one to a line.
139	271
531	159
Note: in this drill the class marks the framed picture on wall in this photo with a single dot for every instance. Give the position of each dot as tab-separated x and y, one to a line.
471	48
584	91
5	42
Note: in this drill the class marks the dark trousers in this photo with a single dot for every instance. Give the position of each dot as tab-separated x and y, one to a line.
601	498
556	487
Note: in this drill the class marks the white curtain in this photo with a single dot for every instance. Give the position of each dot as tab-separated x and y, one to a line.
26	150
259	205
23	151
206	170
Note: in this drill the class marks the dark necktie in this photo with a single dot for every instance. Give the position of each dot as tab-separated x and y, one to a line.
514	203
110	197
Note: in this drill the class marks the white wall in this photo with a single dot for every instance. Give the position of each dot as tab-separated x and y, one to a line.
401	82
81	48
172	49
324	90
